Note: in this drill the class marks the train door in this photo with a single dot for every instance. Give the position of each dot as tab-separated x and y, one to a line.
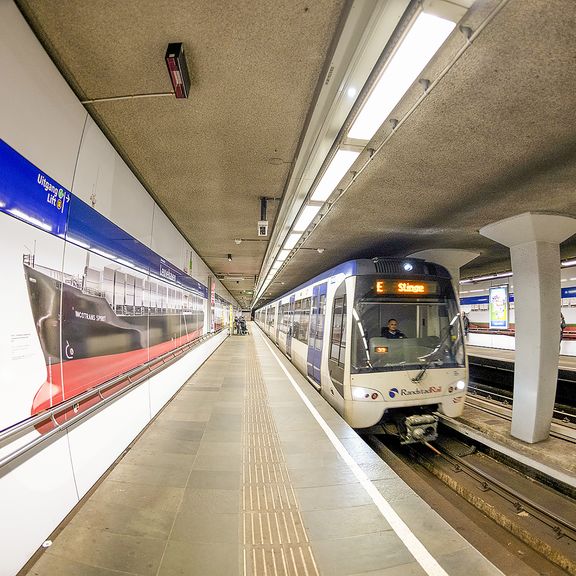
316	332
289	333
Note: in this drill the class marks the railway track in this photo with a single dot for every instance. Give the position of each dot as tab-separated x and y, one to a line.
541	517
493	379
561	427
562	414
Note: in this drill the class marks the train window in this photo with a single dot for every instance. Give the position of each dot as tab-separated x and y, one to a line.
296	319
429	330
305	320
301	320
284	318
320	322
338	340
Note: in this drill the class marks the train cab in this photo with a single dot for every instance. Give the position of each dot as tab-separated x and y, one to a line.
335	330
421	365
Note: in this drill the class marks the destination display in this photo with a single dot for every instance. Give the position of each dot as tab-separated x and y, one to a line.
405	287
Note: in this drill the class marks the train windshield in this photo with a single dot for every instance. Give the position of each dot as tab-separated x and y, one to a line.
401	324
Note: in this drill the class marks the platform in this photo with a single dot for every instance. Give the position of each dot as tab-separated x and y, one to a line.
553	457
248	471
480	421
564	362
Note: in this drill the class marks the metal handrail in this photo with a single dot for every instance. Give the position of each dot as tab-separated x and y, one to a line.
50	414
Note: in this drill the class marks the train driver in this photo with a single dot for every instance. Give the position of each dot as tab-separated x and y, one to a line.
391	330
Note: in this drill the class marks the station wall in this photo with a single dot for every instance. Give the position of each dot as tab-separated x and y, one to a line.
43	122
474	302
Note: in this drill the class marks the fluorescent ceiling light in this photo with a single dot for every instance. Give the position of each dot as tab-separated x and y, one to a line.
340	164
488	277
282	255
307	215
423	40
292	240
569	263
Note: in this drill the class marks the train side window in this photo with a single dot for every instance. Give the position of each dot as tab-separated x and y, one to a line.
283	318
320	322
304	320
343	340
338	340
296	319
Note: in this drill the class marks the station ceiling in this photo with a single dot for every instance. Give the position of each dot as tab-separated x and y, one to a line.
494	136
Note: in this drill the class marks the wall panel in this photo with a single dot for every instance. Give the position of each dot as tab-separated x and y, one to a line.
39	114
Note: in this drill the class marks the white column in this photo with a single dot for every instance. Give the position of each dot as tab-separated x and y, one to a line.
534	242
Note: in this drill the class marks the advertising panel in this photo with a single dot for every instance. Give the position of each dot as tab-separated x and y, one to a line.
498	307
85	301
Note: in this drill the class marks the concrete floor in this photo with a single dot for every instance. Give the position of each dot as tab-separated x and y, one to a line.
236	476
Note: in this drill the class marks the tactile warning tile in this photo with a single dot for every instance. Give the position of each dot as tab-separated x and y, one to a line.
275	542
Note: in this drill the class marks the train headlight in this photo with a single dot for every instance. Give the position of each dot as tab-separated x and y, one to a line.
366	394
460	385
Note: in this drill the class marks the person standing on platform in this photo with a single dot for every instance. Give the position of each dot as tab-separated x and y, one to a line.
466	323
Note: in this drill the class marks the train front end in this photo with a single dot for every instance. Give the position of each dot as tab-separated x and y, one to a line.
401	378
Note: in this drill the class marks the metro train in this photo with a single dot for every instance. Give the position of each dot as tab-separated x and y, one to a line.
332	329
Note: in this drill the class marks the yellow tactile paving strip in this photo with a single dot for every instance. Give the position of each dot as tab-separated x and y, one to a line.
274	540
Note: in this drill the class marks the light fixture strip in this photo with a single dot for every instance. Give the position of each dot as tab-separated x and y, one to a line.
563	264
306	217
292	240
411	20
338	167
282	255
422	41
364	35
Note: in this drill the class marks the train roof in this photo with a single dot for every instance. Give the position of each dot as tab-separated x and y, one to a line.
366	266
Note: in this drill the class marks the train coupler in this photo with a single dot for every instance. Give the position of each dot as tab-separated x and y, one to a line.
419	428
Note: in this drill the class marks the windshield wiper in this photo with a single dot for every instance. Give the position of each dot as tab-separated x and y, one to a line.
437	361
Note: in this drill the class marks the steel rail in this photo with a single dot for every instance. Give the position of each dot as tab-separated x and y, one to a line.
151	368
560	525
558	428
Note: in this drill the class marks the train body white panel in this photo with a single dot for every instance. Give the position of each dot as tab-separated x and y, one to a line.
299	355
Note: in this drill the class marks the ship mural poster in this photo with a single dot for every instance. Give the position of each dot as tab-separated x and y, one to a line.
88	302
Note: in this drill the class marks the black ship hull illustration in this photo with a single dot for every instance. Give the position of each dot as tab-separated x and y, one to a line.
101	325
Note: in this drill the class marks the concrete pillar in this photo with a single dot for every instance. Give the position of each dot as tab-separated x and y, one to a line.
534	242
